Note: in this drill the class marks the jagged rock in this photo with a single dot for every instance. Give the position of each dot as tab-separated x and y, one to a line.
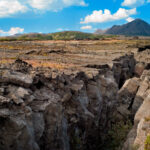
143	48
145	74
144	110
123	110
141	127
105	83
127	93
51	110
16	78
139	68
67	97
77	86
117	68
38	124
128	145
43	98
17	94
140	96
4	112
21	92
21	66
83	100
142	89
4	100
95	98
141	113
123	68
16	100
29	99
55	134
2	90
147	92
16	131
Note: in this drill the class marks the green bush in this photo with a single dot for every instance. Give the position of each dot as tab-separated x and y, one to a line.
117	134
135	147
147	143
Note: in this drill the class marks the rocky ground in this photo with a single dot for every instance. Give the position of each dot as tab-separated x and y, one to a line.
72	55
91	105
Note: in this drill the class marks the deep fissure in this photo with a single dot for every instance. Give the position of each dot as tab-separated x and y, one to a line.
69	112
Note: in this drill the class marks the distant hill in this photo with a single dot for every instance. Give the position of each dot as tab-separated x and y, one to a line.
100	31
137	27
65	35
74	35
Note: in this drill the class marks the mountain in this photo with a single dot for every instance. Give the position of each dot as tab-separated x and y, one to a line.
100	31
137	27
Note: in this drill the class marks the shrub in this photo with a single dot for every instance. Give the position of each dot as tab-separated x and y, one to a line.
135	147
118	134
147	143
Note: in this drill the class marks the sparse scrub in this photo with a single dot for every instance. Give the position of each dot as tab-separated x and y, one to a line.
147	143
66	35
135	147
147	119
118	134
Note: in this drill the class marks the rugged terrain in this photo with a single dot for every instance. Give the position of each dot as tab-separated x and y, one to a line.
136	27
74	55
75	95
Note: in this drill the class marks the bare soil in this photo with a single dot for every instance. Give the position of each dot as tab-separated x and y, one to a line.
70	54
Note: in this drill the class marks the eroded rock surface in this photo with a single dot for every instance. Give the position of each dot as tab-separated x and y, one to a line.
48	110
123	68
43	111
137	137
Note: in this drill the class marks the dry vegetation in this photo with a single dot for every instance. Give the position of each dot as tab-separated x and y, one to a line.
69	54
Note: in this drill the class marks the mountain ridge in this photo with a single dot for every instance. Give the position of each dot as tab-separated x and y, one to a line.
137	27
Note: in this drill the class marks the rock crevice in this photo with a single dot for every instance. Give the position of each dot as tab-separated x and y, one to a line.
45	110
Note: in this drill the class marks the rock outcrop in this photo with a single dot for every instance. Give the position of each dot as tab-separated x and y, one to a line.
47	110
137	137
62	112
123	69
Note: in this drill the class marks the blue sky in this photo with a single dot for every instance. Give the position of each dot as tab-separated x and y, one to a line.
46	16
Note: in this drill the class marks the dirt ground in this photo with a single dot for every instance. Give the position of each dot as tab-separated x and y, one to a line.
70	54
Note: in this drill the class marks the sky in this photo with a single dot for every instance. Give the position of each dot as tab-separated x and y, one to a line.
47	16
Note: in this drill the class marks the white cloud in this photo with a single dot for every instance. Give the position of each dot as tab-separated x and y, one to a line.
12	7
129	19
15	30
9	7
61	29
133	3
54	5
86	27
12	31
148	1
106	16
